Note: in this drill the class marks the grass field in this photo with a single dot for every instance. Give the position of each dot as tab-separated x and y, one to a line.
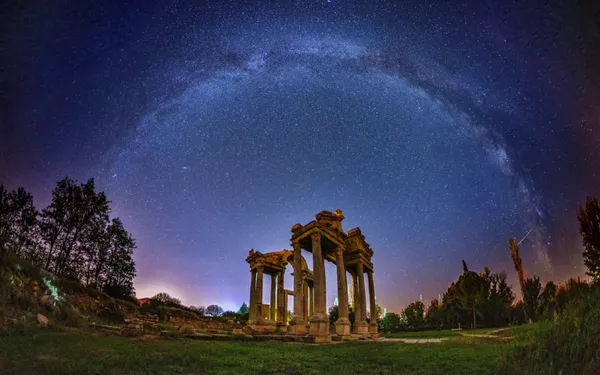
74	353
424	334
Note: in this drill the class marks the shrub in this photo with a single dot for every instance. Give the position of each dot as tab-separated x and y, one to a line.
111	312
568	345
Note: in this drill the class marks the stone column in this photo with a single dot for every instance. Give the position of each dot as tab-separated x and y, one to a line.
312	301
342	325
297	325
361	325
252	309
285	307
319	324
356	297
273	302
281	313
259	293
373	328
305	301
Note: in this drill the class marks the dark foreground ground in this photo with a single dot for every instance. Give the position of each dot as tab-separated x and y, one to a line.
75	353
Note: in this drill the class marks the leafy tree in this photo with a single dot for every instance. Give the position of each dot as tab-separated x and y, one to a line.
243	309
548	299
120	267
517	313
435	315
497	307
229	314
472	292
166	299
576	288
18	222
334	313
589	228
517	261
414	314
74	212
531	296
72	237
199	310
453	312
391	322
572	290
214	310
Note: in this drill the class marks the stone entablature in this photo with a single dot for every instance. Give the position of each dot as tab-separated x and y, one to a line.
326	240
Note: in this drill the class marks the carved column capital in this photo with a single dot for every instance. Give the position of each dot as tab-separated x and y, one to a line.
315	236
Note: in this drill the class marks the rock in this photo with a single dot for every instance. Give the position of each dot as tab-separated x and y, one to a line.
42	320
46	301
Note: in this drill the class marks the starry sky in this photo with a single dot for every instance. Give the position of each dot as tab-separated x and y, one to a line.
440	128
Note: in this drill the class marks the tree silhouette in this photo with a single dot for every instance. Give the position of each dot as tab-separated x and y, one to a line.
166	298
75	211
243	309
472	292
435	314
391	322
589	228
18	223
214	310
414	314
531	296
548	298
72	236
499	303
514	252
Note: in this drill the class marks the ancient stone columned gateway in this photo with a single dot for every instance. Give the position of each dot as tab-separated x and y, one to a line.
326	240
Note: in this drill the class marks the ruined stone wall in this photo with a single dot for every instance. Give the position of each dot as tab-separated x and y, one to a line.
209	323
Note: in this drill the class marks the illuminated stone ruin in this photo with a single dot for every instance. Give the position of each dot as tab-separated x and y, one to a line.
326	240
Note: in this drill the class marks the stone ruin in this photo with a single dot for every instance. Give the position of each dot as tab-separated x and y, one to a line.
326	240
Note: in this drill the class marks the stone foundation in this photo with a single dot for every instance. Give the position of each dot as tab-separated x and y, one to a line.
361	328
342	327
297	328
265	326
133	328
319	326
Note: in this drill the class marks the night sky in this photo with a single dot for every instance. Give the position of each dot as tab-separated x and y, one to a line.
439	129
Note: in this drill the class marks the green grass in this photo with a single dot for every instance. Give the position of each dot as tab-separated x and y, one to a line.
74	353
478	331
424	334
517	331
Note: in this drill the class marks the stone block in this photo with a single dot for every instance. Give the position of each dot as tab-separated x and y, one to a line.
342	327
319	326
297	328
265	326
322	339
374	330
361	328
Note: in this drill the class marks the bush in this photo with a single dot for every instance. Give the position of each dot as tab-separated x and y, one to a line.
111	311
568	345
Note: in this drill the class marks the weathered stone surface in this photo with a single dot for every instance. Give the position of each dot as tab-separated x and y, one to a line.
46	301
42	320
133	328
319	326
342	327
361	328
326	240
